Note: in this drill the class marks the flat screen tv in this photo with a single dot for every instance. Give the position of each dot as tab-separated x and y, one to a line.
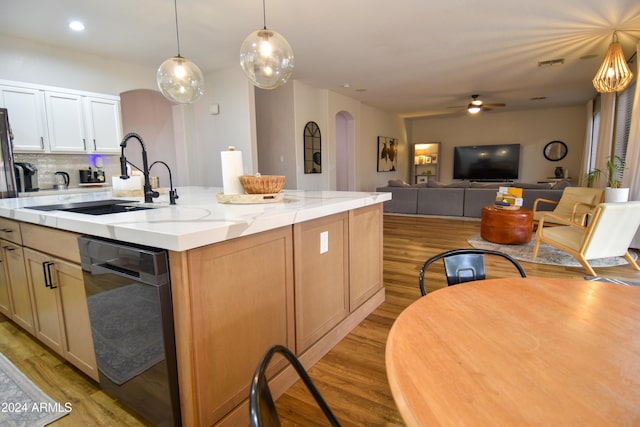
486	162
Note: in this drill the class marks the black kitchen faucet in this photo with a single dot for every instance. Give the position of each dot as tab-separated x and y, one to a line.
149	194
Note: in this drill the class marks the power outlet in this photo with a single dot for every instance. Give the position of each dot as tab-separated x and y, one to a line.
324	242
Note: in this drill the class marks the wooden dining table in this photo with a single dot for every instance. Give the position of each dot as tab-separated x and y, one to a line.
518	351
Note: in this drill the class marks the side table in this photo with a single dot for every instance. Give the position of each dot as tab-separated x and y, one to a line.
505	226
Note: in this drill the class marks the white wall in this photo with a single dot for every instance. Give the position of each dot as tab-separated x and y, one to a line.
376	123
311	106
533	129
275	127
25	61
199	136
235	125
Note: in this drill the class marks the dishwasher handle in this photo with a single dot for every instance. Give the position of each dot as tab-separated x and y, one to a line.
106	268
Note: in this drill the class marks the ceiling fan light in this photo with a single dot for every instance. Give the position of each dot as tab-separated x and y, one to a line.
180	80
614	74
473	108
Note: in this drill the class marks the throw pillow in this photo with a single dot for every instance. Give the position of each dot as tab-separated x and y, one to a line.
398	183
561	185
491	184
461	184
532	185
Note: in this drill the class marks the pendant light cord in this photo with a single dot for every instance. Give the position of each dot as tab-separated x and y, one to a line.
175	7
264	14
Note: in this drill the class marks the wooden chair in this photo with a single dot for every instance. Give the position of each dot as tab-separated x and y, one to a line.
262	409
611	228
573	205
465	265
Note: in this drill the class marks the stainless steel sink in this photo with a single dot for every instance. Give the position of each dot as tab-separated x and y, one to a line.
96	207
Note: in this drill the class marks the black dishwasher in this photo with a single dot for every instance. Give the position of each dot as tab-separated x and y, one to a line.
129	301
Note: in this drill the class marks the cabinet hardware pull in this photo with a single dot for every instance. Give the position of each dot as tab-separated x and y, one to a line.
9	248
7	230
48	281
42	142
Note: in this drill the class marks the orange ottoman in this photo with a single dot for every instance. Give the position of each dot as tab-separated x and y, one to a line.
505	226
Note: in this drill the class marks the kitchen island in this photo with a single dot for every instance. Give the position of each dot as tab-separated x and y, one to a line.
302	272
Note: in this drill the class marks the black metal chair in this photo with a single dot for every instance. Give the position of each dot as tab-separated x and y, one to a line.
465	265
262	410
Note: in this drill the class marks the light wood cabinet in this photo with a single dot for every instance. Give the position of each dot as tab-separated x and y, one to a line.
60	305
9	231
18	286
365	254
27	117
321	249
6	307
290	286
232	301
48	319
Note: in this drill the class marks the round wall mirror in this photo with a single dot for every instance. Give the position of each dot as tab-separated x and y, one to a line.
555	151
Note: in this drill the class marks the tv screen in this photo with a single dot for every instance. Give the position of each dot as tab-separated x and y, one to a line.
486	162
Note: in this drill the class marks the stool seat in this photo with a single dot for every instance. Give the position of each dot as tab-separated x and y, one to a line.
505	226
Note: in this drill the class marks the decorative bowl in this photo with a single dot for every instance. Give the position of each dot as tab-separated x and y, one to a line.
262	184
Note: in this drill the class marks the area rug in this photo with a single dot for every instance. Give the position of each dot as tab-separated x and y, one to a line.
547	254
22	403
126	324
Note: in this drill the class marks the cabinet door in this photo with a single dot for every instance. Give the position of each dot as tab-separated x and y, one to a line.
78	345
104	124
240	296
5	299
66	122
27	118
19	286
365	254
48	318
321	277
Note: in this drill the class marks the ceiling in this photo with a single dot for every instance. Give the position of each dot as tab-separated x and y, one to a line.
410	57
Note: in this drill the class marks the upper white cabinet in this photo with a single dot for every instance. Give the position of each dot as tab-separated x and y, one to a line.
27	117
103	124
65	120
53	120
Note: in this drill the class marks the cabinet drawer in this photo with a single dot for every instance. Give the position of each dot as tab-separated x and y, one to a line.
10	230
63	244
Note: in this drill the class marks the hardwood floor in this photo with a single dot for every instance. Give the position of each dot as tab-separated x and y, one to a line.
351	377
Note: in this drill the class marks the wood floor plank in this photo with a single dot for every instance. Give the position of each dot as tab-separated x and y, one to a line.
351	377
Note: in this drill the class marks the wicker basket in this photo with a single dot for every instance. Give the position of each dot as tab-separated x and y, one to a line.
262	184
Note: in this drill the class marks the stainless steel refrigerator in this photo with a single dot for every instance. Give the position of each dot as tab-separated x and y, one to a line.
7	175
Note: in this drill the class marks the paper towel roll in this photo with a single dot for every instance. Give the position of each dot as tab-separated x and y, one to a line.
231	170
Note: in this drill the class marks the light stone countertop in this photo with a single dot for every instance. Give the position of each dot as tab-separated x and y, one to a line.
197	219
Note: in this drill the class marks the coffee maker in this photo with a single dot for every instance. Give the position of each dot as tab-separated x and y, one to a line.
26	177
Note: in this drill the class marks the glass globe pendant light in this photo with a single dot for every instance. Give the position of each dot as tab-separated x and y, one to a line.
266	57
179	79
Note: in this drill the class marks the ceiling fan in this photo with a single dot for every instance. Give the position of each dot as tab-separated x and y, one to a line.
476	105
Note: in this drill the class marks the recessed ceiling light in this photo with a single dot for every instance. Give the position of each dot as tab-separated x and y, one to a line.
346	85
76	25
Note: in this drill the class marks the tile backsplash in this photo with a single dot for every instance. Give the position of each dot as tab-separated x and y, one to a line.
49	164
